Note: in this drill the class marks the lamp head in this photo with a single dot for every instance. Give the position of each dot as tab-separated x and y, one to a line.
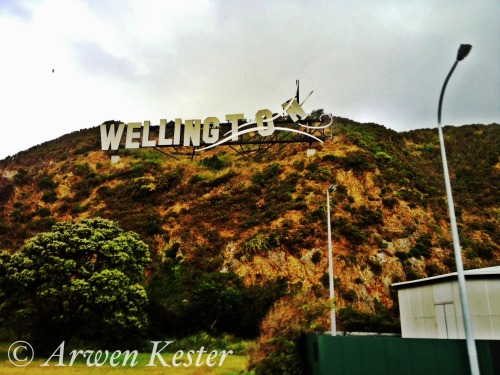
332	188
463	51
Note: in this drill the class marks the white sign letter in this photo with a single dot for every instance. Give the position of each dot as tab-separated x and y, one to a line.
161	138
131	135
112	138
146	142
294	110
259	119
177	131
233	119
211	130
192	130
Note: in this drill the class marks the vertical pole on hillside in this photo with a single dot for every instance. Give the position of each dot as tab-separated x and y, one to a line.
333	328
463	51
297	94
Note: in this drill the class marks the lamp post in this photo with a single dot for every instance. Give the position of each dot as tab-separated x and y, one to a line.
463	51
333	328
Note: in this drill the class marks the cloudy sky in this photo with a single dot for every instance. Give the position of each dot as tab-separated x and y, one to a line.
370	61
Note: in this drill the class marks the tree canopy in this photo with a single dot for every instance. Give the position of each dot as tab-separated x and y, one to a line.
79	279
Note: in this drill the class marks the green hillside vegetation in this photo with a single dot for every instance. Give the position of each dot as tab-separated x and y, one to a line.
229	236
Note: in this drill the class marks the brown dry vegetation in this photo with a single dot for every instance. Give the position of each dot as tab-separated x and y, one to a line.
265	218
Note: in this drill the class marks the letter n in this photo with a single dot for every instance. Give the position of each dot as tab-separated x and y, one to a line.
192	129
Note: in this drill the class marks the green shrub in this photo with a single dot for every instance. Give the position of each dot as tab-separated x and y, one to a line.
413	197
44	224
6	189
410	272
299	165
383	320
349	295
376	267
49	196
313	167
259	243
316	257
213	163
137	169
433	269
282	357
368	217
43	212
218	180
4	227
383	156
180	292
389	202
278	348
170	179
485	251
46	183
22	177
358	161
210	342
422	247
353	233
196	178
319	214
78	208
270	173
489	226
330	158
402	256
82	170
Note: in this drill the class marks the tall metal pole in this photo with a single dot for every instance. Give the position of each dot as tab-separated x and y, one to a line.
469	335
298	91
333	327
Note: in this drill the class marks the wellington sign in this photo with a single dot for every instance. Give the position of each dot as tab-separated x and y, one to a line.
292	125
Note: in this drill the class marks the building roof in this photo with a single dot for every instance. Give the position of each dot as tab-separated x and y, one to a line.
480	273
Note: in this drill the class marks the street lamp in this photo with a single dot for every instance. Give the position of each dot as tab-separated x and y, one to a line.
333	328
463	51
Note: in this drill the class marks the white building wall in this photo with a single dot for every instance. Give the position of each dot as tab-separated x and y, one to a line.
434	310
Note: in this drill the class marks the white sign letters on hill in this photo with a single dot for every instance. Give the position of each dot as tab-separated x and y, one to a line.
207	133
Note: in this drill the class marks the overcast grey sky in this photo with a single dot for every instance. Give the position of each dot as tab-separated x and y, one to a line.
370	61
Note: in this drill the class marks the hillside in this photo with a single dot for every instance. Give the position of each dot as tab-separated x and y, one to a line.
265	218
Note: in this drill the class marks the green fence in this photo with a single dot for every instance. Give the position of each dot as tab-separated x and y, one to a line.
372	355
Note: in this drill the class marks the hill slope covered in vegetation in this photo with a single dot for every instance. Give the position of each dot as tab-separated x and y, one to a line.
264	219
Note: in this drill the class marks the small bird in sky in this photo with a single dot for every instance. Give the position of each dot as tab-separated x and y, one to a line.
53	70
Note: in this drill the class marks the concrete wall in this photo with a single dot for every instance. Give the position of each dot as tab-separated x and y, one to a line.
434	311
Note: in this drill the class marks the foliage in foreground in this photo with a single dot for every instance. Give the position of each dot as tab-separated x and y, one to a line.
278	348
80	280
187	298
382	320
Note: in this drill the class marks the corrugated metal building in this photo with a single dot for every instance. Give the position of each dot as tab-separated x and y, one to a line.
430	307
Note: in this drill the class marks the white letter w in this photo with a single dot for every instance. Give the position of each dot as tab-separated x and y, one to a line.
112	138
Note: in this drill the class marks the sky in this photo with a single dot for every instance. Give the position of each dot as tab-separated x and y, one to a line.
67	65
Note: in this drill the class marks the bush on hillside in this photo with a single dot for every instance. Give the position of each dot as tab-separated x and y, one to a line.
278	347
